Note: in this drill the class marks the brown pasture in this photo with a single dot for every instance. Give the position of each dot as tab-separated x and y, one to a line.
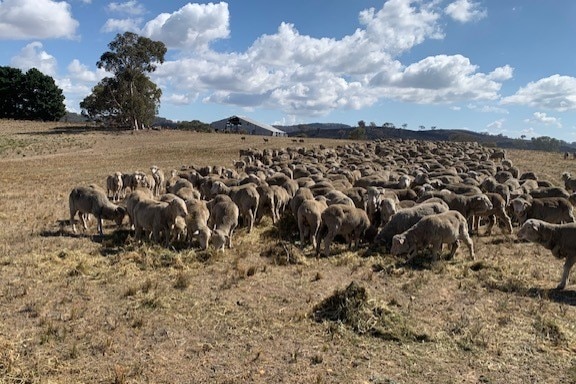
83	309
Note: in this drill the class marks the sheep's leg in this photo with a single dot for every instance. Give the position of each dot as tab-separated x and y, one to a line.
328	241
302	228
468	241
100	225
72	221
570	260
453	248
313	234
491	222
250	216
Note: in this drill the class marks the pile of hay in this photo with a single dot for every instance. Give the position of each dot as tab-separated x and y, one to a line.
353	308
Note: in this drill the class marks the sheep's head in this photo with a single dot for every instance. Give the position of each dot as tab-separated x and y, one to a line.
482	203
566	176
119	214
399	245
218	239
530	230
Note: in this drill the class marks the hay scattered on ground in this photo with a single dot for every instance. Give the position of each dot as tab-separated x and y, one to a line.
353	308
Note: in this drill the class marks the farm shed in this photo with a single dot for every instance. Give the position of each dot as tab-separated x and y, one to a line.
246	125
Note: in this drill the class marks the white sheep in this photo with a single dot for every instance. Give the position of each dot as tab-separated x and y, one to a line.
87	200
310	218
345	220
406	218
443	228
555	210
114	186
159	217
133	198
223	221
197	222
159	180
569	182
246	198
558	238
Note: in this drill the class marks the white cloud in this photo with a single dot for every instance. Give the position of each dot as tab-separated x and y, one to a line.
555	92
192	27
543	118
487	109
439	79
36	19
80	72
178	99
131	7
310	76
496	125
465	11
121	25
33	56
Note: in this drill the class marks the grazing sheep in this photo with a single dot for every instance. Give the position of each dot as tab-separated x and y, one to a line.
158	217
310	218
468	206
86	200
443	228
405	218
133	198
345	220
302	194
555	210
114	186
197	222
558	238
569	182
498	155
223	220
498	211
246	198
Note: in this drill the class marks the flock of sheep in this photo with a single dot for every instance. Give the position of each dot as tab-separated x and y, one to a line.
404	197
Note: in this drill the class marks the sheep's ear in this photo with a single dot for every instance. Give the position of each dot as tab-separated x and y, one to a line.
401	240
535	226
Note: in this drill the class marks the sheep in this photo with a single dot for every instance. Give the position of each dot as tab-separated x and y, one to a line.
246	198
223	221
345	220
498	211
114	186
159	217
448	227
555	210
86	200
282	199
266	203
558	238
159	180
302	194
310	218
405	218
197	222
468	206
133	198
569	182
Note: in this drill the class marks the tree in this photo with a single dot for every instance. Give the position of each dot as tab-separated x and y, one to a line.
422	127
358	133
31	95
362	124
129	98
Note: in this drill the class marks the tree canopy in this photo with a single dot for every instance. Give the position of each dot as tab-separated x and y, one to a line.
30	96
129	98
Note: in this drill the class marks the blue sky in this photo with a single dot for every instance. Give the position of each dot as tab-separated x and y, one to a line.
485	65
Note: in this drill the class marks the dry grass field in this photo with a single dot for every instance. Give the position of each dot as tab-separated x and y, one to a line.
85	309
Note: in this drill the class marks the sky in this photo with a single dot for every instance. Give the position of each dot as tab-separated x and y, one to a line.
497	66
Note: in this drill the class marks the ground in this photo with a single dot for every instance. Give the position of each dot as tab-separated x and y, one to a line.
85	309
